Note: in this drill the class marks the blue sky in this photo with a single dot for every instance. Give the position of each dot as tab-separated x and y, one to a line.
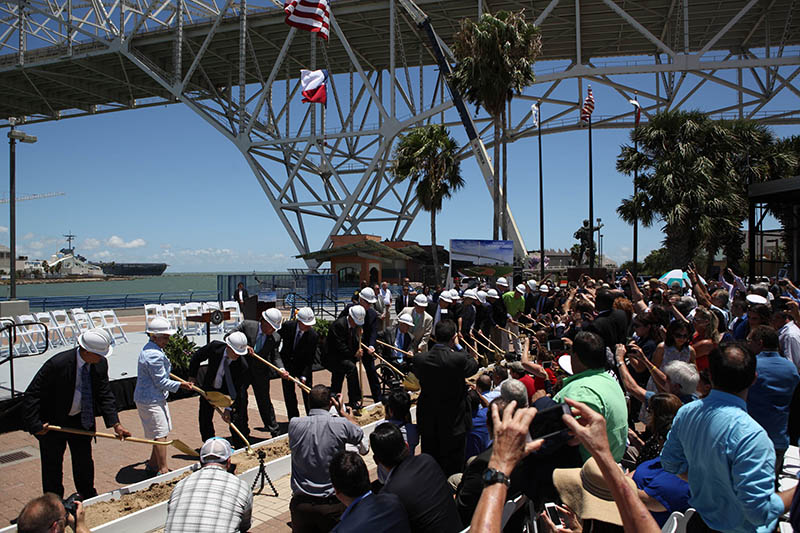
159	184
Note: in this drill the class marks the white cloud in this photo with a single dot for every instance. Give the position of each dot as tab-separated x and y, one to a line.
105	254
91	244
206	252
3	229
28	236
117	242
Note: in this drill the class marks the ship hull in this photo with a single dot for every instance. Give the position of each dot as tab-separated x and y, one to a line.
133	269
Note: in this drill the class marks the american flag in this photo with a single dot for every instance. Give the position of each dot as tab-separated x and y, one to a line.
309	15
588	106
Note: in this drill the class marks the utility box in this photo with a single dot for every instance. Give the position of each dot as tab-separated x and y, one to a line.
14	308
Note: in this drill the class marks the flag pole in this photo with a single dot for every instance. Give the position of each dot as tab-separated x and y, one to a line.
541	198
591	204
635	215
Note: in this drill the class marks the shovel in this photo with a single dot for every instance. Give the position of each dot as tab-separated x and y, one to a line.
299	383
509	332
494	347
410	381
182	446
218	400
215	398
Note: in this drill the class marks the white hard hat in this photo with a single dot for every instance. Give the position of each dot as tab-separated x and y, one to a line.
306	316
357	313
159	326
421	300
454	294
532	285
481	296
544	289
492	293
273	316
446	297
520	288
368	295
405	318
502	282
97	341
237	341
470	293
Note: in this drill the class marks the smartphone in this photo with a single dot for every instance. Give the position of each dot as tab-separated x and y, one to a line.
554	515
548	422
547	364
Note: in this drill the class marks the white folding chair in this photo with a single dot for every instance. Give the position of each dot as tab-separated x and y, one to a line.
213	306
172	313
96	318
191	309
32	334
18	346
152	311
236	316
81	320
111	323
57	337
64	324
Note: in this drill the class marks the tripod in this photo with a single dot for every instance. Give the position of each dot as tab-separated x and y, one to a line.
262	475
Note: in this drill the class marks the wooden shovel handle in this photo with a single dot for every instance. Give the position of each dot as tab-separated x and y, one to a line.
495	347
394	348
302	385
107	435
194	387
390	365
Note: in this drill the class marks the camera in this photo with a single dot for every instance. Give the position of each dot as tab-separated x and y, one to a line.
71	504
548	422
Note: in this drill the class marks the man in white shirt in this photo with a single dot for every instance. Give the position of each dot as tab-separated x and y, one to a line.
386	296
788	336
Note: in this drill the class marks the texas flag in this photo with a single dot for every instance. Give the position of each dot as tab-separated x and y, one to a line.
313	84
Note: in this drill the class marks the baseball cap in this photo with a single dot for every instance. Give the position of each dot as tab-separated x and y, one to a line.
421	300
96	341
215	450
756	299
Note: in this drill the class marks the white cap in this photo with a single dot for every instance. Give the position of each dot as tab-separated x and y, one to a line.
159	326
237	341
357	313
454	294
481	296
532	285
446	297
521	288
215	450
306	316
565	362
405	318
544	289
492	293
273	316
421	300
471	293
756	299
502	282
97	341
368	295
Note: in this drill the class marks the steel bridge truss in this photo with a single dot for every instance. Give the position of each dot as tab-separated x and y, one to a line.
329	167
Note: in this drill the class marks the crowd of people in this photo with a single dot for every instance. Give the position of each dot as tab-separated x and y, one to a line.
610	404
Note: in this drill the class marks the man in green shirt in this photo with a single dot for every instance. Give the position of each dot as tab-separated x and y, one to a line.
592	385
515	306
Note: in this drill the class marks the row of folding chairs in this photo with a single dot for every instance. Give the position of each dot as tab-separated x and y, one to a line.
178	315
63	328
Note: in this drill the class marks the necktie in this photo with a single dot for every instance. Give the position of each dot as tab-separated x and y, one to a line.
297	337
229	378
398	343
87	406
260	341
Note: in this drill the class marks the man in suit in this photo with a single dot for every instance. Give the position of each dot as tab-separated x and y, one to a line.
298	350
228	373
366	299
417	480
240	295
404	300
443	413
611	324
423	323
439	311
69	390
343	351
263	339
364	511
467	317
401	338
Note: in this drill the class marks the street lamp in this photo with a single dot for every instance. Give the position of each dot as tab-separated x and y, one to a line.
13	136
601	250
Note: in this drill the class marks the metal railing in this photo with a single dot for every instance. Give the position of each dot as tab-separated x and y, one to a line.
9	329
118	301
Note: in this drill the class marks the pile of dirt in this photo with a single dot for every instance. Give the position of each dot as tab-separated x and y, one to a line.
103	512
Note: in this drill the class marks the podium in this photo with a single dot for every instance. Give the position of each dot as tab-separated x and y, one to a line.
208	318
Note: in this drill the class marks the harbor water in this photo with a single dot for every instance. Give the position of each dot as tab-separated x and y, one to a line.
165	283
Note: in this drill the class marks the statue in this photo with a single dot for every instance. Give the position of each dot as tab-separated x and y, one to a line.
585	234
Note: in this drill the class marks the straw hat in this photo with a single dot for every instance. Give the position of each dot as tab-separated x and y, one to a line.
586	492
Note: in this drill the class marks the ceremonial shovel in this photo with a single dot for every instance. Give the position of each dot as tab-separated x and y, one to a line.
222	398
300	384
182	446
509	332
410	381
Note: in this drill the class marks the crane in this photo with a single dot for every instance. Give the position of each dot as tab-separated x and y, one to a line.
33	197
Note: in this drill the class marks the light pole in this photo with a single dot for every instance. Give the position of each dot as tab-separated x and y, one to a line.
13	136
601	250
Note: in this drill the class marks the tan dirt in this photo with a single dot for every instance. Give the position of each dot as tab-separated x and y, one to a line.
103	512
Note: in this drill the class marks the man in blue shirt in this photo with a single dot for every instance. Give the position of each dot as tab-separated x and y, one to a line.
726	457
770	396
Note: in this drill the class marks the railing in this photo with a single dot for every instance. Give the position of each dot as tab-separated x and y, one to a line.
119	301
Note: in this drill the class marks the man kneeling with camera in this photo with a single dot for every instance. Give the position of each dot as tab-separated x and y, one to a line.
49	514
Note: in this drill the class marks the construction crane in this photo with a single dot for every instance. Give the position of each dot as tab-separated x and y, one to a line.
33	197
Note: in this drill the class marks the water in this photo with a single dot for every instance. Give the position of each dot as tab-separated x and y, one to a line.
163	283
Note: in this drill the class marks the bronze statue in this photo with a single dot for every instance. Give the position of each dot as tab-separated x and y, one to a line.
585	235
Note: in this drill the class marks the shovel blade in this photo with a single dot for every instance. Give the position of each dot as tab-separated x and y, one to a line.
182	446
217	399
411	382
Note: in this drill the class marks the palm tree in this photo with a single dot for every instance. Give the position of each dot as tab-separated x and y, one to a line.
429	157
495	58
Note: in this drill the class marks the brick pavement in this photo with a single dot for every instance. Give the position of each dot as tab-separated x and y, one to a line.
118	464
